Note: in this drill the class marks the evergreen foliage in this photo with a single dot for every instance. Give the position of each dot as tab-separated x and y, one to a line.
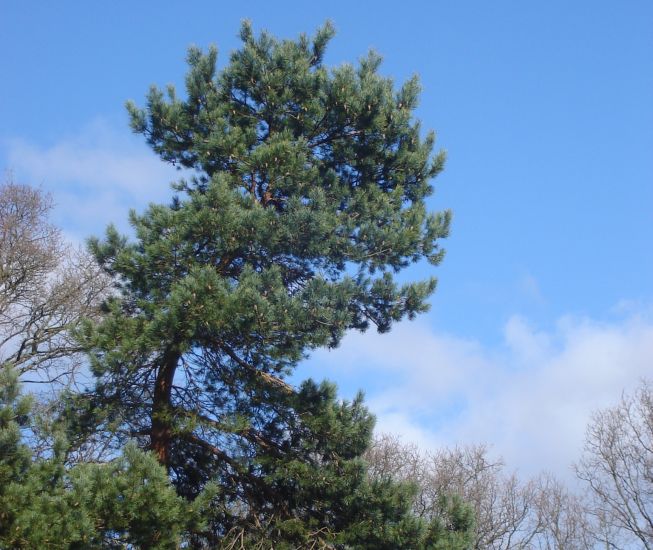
45	503
307	197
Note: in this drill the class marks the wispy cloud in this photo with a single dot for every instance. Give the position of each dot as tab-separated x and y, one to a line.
95	176
529	398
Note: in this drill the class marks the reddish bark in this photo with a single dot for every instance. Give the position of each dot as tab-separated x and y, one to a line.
161	432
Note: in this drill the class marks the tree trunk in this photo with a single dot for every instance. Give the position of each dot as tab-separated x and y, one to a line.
161	433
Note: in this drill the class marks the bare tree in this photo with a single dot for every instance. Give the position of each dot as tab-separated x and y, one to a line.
46	288
388	457
510	513
502	504
561	518
503	507
617	466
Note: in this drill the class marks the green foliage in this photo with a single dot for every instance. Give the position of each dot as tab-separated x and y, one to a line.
45	503
14	411
307	196
453	525
312	490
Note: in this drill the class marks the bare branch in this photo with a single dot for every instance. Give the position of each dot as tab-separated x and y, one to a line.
46	288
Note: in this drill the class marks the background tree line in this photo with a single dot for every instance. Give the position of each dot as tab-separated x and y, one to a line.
610	507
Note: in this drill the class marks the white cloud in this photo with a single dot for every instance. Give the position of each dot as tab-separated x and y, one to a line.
530	399
95	176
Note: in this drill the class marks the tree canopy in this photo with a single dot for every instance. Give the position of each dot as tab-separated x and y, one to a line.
46	503
303	197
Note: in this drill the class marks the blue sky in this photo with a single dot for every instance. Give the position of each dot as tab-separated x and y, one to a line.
543	310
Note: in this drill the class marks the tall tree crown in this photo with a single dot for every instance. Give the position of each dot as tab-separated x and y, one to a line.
306	195
333	156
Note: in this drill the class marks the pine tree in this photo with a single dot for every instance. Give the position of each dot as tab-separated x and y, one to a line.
45	503
307	196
